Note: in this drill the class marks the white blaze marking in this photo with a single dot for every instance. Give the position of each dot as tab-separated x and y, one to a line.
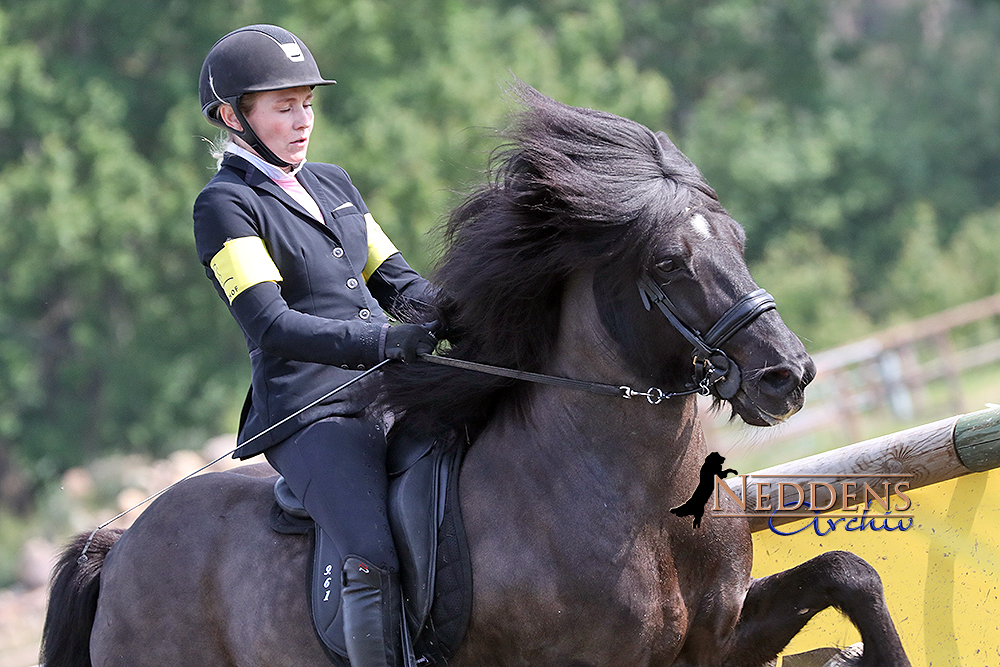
700	225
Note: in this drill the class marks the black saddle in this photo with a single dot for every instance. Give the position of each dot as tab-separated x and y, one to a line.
426	522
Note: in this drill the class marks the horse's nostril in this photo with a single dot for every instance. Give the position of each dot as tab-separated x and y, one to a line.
779	379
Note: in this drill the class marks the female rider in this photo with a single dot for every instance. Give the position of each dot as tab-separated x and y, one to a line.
308	274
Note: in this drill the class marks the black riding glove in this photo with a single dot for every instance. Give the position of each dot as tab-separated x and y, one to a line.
404	342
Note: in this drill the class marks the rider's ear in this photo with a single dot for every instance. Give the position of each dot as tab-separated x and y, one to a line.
228	116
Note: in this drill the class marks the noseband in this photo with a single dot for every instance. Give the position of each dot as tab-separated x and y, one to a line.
714	371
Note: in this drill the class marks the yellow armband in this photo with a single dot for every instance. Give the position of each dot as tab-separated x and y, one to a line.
379	247
243	263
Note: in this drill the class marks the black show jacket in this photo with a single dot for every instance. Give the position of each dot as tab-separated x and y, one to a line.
323	323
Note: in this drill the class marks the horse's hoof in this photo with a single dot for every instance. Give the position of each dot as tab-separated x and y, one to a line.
849	657
826	657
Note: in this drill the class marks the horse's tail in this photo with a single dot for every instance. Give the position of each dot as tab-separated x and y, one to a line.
73	601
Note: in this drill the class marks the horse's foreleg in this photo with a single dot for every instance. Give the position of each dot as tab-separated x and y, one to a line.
778	607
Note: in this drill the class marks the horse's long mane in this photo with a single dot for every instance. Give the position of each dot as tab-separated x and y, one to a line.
572	189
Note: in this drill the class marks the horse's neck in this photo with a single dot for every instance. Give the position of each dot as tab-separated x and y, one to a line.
642	445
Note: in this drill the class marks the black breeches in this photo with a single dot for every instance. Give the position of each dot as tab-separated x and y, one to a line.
336	468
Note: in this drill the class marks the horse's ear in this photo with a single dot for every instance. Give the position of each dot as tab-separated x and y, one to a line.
670	151
681	164
665	141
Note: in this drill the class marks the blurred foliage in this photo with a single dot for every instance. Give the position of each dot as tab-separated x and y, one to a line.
858	141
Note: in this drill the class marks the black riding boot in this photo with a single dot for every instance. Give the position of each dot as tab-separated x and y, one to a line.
372	615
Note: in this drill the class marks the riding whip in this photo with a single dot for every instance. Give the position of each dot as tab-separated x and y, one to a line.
83	554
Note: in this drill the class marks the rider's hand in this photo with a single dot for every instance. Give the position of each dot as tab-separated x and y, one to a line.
404	342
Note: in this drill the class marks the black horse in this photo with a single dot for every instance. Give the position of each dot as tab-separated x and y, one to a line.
577	559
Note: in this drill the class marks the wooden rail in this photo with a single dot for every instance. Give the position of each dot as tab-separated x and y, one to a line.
919	456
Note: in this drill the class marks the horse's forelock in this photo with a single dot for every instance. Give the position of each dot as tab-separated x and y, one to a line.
603	168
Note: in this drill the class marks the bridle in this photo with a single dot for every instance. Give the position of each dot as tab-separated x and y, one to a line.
714	370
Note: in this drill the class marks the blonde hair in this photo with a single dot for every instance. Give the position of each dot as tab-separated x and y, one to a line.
217	148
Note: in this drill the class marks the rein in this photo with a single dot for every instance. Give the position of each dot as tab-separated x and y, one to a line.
714	370
653	395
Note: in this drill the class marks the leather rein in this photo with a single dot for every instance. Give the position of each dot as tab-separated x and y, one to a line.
714	370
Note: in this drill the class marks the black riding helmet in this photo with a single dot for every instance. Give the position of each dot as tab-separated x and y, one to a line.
254	59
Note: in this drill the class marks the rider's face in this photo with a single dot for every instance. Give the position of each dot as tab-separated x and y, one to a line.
283	121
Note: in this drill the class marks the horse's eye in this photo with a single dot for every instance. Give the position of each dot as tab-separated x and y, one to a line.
668	267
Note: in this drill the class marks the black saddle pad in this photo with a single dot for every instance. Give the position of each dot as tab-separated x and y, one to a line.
436	570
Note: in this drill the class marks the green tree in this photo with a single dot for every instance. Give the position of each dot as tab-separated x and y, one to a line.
96	312
813	289
858	143
919	81
975	248
925	278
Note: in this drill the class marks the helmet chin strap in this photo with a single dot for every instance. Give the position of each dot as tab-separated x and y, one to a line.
252	140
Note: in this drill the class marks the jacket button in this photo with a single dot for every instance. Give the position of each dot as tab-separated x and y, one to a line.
361	367
352	283
338	252
365	314
344	366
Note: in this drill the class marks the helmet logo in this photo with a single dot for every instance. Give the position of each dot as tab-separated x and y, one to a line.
293	52
211	84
